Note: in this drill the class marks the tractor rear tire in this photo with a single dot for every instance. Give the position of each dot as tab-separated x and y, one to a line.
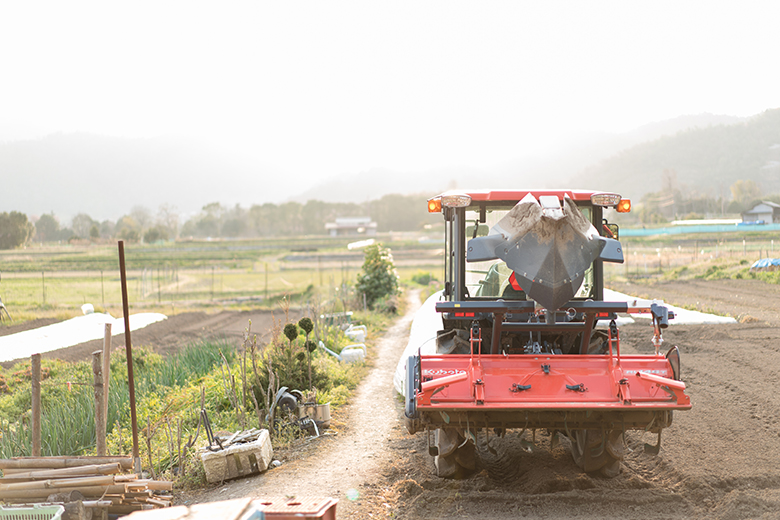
598	451
456	459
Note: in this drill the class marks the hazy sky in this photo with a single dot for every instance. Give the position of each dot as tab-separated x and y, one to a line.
340	87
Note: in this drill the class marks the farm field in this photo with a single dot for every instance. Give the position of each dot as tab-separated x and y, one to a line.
718	460
54	281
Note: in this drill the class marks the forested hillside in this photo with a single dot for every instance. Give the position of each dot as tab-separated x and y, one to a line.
697	162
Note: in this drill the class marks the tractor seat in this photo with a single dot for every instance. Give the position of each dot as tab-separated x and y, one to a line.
510	293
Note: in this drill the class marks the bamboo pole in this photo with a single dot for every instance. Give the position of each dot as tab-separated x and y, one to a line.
35	377
106	366
75	482
125	478
100	405
9	472
87	491
141	493
157	485
67	461
160	503
96	503
125	510
79	471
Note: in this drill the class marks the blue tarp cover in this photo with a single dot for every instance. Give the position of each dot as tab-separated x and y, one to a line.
765	262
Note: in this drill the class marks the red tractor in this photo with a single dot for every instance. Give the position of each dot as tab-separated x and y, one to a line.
525	339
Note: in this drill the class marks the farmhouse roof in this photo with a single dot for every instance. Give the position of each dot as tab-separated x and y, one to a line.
757	208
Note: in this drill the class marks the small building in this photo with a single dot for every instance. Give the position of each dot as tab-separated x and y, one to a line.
351	226
765	213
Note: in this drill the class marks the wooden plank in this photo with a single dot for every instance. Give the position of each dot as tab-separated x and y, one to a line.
225	510
170	513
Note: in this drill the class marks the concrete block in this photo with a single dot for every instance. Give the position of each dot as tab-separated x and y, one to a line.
238	460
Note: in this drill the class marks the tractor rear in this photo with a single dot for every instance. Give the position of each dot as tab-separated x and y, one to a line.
527	340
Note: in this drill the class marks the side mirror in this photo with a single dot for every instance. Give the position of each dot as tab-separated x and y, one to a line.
610	230
481	231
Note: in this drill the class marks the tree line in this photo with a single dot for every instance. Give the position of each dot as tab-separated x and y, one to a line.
677	202
391	213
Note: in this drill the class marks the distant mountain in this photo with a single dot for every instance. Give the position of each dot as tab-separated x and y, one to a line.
561	168
701	160
653	131
106	176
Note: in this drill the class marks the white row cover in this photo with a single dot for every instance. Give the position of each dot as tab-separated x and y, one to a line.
68	333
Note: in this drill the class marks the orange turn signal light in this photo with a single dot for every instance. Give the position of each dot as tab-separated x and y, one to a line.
624	206
434	205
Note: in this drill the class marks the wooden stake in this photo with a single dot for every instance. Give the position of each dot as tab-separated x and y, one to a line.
129	351
100	403
36	404
106	366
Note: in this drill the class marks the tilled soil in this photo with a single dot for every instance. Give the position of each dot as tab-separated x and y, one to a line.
719	460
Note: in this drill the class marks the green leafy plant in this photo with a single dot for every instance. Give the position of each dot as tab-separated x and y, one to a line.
378	279
291	332
423	278
307	326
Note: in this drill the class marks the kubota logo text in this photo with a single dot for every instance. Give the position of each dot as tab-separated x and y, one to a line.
442	372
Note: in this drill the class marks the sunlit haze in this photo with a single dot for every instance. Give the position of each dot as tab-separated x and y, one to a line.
308	90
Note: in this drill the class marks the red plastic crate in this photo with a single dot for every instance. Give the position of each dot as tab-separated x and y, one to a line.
299	508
